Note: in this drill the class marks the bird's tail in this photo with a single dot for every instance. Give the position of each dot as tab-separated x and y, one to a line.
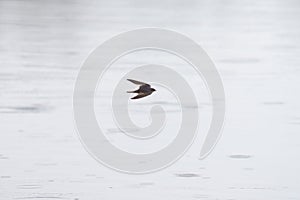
131	91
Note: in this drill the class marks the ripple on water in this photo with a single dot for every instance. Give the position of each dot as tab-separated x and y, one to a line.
273	103
24	109
187	175
29	186
240	156
2	157
146	184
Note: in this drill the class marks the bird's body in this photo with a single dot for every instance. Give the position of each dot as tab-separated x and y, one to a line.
143	91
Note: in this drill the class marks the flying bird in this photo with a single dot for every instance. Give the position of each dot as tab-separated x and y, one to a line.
143	91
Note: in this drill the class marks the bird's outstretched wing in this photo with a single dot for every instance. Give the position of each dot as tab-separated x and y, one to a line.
140	95
137	82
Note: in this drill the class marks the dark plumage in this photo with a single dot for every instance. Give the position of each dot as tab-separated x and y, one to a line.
143	91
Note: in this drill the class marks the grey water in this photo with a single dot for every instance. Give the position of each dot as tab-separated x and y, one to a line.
255	46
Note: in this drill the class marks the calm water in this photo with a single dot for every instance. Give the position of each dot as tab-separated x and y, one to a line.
256	47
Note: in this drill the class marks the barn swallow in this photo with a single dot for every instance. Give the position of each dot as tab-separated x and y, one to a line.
143	91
